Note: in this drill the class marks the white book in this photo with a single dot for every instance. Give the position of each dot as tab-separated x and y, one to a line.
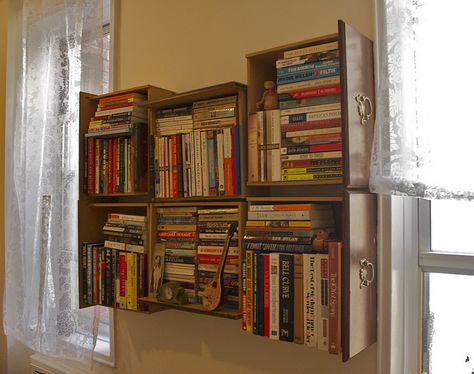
272	119
315	116
192	176
261	146
274	295
204	164
309	299
220	162
320	82
198	167
322	310
311	49
252	148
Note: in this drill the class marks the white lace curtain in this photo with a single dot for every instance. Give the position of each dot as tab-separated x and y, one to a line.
424	139
59	53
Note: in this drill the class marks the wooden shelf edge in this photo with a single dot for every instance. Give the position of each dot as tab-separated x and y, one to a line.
231	86
151	308
193	308
132	89
124	194
295	198
198	199
297	183
118	205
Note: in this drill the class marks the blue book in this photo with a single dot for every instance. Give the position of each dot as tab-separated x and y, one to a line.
308	75
306	67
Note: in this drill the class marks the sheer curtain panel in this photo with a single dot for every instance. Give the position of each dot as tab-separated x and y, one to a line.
424	130
59	53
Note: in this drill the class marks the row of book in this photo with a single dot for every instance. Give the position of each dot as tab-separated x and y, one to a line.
197	151
285	271
117	164
191	239
113	278
114	272
294	297
302	140
117	114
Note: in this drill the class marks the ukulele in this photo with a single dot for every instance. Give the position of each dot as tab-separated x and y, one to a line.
212	295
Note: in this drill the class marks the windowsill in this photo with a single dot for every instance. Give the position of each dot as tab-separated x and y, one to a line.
52	365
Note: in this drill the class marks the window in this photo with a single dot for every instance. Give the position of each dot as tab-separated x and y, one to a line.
447	261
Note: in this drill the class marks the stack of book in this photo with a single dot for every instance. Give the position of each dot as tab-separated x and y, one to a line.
213	224
174	121
202	160
301	141
287	274
177	235
117	114
116	146
114	272
308	87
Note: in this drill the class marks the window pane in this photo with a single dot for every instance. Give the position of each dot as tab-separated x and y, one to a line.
448	326
448	220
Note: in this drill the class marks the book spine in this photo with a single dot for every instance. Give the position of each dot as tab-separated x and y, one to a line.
97	165
274	139
84	271
311	148
312	156
128	280
306	67
309	299
255	295
321	82
311	109
334	265
243	266
198	169
185	164
274	296
311	116
322	311
219	101
236	175
260	295
286	297
110	165
279	215
249	289
312	49
311	92
205	164
134	286
320	73
193	166
328	127
211	146
261	142
90	165
228	188
174	166
252	148
298	299
266	295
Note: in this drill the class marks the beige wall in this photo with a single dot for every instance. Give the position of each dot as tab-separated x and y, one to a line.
182	45
3	62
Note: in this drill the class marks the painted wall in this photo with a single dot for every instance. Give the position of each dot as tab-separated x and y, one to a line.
183	45
3	63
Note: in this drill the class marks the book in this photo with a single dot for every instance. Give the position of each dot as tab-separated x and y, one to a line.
286	297
298	324
335	272
309	299
312	49
249	289
313	83
274	296
323	301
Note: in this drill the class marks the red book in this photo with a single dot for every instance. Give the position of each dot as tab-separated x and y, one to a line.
234	160
108	107
176	234
95	276
325	147
335	253
310	125
174	167
228	169
109	99
90	165
266	295
214	259
123	279
317	91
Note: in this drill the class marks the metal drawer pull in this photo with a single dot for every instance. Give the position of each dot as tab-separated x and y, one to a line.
366	269
365	112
